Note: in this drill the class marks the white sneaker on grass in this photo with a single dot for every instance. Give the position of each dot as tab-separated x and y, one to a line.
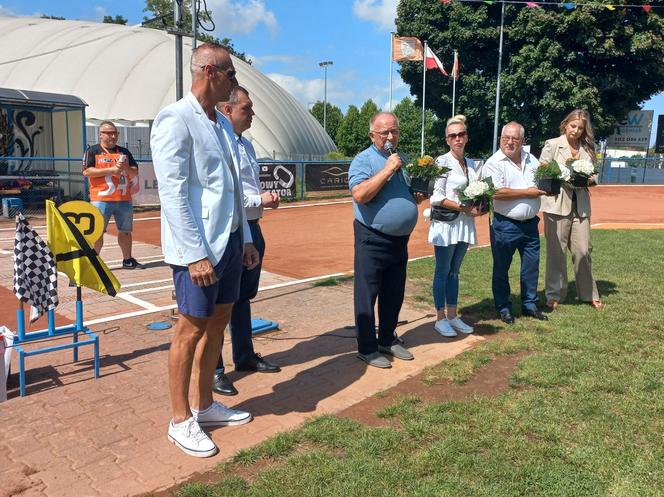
191	439
444	327
220	415
459	325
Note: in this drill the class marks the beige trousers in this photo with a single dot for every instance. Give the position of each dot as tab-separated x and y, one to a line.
573	233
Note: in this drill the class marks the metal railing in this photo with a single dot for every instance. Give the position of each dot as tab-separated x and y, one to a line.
34	179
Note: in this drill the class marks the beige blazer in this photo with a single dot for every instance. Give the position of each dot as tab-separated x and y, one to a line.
559	150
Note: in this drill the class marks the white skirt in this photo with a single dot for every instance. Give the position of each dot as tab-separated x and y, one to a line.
462	229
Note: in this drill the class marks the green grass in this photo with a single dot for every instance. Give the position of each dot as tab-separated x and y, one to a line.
333	281
584	414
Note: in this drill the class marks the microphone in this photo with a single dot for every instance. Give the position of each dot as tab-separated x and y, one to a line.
389	148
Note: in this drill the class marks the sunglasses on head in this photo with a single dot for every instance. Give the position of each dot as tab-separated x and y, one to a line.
454	136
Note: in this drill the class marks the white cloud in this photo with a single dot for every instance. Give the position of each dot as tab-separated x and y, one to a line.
289	60
4	11
381	12
241	17
308	91
100	12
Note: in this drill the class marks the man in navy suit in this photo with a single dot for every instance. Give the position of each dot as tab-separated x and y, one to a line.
205	239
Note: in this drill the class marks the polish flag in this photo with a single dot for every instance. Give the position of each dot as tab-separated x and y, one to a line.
455	67
432	62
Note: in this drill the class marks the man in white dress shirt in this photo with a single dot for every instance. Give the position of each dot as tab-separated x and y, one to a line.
514	226
238	109
205	238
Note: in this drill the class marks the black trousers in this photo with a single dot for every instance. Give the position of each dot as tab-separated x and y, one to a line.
380	273
240	322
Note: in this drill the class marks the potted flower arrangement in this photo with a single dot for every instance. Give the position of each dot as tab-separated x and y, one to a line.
581	170
423	172
478	194
549	175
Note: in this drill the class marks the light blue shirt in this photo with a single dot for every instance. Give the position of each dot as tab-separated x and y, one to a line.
393	210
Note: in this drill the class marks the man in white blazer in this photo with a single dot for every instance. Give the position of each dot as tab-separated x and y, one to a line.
205	238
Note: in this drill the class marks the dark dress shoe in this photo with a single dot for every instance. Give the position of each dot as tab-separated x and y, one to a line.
223	385
535	313
259	365
506	317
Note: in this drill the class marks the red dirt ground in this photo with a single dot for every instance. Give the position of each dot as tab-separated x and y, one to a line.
318	240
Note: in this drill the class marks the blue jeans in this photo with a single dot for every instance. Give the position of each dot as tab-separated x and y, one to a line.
446	275
508	236
122	211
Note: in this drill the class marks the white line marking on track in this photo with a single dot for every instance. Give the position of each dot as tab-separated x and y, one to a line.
144	283
148	290
314	205
626	224
128	315
141	303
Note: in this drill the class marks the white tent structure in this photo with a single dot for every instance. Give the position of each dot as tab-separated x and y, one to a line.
127	74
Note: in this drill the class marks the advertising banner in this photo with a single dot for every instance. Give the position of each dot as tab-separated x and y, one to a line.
326	177
633	131
659	143
279	178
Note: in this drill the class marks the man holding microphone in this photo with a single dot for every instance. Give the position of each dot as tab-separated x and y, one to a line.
385	215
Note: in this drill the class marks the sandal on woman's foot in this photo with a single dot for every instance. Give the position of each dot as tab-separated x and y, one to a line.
597	304
552	304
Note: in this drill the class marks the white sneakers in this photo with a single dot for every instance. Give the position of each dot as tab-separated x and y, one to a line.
191	439
189	436
460	326
220	415
444	327
449	327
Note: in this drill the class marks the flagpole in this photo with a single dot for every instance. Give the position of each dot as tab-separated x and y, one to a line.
454	82
424	89
389	105
500	63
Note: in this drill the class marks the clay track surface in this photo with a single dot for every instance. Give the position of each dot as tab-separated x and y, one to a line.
305	240
314	239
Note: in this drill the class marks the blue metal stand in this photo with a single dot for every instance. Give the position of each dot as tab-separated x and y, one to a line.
259	326
53	332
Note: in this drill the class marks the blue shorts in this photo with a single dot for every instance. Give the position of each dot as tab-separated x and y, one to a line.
199	301
123	212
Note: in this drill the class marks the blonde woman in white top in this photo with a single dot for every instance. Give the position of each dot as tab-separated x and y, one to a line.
451	237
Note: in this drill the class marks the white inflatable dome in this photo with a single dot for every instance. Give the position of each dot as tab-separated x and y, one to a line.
128	74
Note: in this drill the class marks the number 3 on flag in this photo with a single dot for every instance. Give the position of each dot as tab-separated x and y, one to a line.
86	217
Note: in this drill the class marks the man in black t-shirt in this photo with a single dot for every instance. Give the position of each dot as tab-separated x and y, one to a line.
112	174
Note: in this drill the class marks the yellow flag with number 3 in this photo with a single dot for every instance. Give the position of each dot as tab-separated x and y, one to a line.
71	231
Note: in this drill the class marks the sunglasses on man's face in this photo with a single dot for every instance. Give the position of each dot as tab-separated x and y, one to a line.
230	73
454	136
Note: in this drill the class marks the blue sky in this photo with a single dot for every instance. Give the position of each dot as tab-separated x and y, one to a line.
288	38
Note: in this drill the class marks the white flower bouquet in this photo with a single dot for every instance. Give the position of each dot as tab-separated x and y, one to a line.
583	167
478	194
580	170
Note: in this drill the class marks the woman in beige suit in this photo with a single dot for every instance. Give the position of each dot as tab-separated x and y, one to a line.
567	215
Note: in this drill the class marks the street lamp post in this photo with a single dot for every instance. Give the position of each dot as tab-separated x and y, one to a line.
324	65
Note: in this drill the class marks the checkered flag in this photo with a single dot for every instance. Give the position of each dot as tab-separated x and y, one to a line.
35	276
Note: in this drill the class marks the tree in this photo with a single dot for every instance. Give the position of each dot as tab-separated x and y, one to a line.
410	122
57	18
118	19
554	60
162	18
367	111
334	117
352	137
